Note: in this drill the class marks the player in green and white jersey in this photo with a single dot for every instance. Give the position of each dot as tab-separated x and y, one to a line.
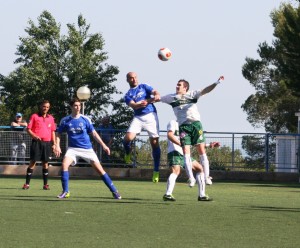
190	127
176	162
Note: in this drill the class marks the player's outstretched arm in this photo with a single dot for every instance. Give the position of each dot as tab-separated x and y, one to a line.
156	95
212	86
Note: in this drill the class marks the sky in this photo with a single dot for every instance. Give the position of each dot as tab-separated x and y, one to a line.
207	39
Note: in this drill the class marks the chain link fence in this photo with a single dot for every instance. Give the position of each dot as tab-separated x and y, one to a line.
238	151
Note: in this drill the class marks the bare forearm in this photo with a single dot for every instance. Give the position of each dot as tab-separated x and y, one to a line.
173	138
98	138
56	147
137	105
212	86
58	140
208	89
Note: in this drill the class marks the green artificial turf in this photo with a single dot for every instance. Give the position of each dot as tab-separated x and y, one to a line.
241	215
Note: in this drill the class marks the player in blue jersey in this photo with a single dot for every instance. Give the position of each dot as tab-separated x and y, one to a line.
145	117
78	127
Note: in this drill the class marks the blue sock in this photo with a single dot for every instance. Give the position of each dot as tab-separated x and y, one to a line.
127	146
65	181
156	157
106	179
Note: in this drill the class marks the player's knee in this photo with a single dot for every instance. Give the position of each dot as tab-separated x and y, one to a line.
129	137
154	142
176	170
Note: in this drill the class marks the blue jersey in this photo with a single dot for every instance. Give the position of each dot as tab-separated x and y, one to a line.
78	130
139	93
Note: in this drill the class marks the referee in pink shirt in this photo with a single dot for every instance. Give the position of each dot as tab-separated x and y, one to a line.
41	128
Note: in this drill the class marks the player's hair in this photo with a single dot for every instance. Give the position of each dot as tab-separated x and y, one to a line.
186	84
73	100
43	102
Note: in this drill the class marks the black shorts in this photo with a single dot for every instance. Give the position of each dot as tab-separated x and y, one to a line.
40	150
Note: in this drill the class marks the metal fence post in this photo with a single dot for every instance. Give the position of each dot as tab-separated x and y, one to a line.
298	150
232	153
134	153
267	152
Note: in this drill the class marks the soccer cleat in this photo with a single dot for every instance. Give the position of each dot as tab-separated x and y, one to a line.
204	198
208	180
64	195
46	187
168	198
127	159
155	177
192	182
116	195
25	186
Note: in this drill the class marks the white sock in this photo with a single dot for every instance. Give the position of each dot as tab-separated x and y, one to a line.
201	183
171	184
205	163
188	166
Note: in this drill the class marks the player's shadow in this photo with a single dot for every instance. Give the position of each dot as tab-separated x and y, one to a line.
101	200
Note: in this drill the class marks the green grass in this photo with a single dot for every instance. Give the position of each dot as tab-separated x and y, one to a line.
241	215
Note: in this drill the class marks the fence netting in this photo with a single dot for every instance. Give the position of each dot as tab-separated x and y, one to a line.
238	151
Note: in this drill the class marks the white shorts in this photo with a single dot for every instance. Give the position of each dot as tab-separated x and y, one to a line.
87	154
148	122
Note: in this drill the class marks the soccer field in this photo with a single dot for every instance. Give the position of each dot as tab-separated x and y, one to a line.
241	215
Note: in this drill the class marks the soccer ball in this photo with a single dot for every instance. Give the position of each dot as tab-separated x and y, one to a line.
164	54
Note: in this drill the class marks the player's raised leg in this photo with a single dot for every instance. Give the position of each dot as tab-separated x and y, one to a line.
127	142
205	162
188	165
156	153
201	182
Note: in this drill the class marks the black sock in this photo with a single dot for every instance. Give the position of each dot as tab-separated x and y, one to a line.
28	175
45	176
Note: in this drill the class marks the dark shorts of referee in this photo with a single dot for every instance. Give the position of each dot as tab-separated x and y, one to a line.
40	150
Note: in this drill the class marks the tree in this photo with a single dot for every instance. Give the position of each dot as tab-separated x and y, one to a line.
222	158
143	152
276	75
53	66
121	117
255	147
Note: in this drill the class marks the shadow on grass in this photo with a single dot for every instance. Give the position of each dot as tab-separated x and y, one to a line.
11	188
266	185
279	209
85	200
